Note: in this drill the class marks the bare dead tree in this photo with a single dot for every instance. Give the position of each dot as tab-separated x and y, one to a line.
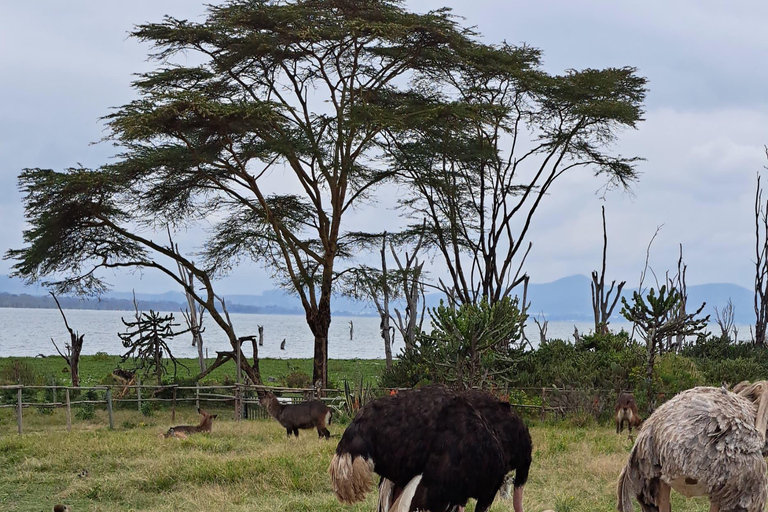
678	282
643	274
726	320
72	349
602	305
411	271
543	326
761	266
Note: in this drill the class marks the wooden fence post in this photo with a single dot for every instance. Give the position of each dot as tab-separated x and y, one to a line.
18	409
543	402
197	395
138	392
69	412
173	405
109	409
237	402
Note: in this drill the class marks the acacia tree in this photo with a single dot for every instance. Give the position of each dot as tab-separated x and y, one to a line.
477	178
302	87
86	220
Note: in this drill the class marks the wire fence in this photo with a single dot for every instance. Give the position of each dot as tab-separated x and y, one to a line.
244	403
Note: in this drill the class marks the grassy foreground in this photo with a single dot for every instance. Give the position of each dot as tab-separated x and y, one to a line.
251	465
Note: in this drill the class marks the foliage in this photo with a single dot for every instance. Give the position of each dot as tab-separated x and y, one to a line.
86	412
675	373
101	356
17	371
474	345
146	339
148	408
354	399
298	379
599	361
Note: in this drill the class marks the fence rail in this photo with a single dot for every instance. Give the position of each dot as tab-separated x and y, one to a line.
558	401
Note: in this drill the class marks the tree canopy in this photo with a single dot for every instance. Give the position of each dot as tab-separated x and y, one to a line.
338	97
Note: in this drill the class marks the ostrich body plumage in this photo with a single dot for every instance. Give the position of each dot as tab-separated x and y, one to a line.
704	441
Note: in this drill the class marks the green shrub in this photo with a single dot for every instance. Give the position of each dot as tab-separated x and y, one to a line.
101	356
148	408
86	412
298	379
472	345
675	373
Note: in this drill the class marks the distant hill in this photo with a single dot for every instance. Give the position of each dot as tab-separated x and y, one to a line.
567	299
570	299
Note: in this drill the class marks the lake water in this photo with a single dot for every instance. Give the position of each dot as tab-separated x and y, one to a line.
28	332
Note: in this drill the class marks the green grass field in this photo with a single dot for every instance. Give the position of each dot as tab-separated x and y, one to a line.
251	465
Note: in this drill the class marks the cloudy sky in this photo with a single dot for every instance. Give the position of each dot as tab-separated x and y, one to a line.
65	64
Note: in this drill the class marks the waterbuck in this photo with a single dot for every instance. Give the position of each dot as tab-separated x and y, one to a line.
182	431
310	414
626	410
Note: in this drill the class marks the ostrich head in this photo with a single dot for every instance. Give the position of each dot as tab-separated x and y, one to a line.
757	392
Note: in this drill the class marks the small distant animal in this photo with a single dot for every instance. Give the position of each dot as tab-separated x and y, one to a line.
62	508
182	431
282	345
626	410
310	414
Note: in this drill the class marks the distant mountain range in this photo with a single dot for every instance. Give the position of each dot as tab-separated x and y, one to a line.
567	299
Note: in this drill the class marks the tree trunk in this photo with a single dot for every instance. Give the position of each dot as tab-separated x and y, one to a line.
74	370
320	360
386	334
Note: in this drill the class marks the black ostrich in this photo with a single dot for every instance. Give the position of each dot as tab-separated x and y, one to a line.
432	448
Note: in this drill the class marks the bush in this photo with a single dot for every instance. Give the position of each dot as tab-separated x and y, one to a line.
86	412
468	346
675	373
101	356
147	408
298	379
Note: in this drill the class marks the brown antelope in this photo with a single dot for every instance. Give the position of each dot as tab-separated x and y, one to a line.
182	431
310	414
626	410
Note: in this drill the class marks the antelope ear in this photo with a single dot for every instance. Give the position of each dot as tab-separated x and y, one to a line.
199	411
214	416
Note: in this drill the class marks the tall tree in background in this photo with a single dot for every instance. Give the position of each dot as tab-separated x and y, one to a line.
383	286
304	88
478	178
761	265
602	305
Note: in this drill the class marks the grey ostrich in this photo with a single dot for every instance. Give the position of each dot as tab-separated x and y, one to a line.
703	442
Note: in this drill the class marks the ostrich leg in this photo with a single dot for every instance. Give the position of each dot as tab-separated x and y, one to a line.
664	505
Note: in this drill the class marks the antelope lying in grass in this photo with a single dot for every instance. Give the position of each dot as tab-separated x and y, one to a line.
310	414
182	431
